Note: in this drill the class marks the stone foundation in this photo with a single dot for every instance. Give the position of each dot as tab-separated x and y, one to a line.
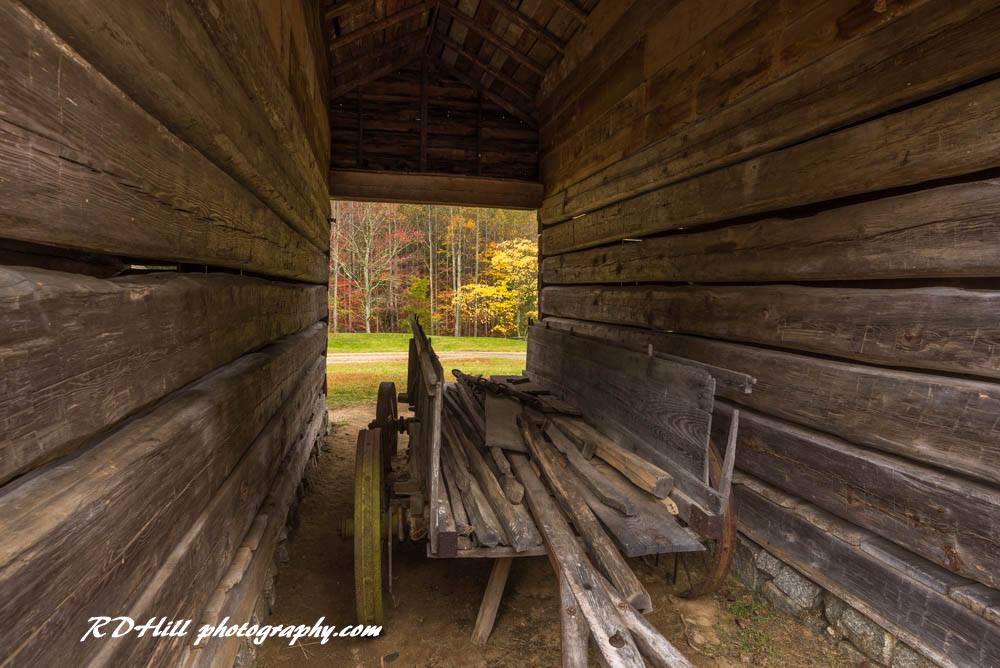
796	595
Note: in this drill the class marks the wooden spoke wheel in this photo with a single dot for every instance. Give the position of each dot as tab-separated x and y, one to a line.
704	572
370	546
387	420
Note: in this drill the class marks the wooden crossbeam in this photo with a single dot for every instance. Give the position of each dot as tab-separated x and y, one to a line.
490	36
529	24
391	46
525	116
398	63
381	24
343	8
573	9
486	67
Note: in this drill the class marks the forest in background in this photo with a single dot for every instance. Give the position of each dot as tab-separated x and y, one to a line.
463	271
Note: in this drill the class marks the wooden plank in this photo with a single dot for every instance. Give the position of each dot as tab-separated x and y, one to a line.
944	421
435	189
928	50
669	404
948	520
189	86
948	137
488	35
500	552
485	524
237	596
604	553
904	594
139	490
947	329
949	231
463	525
512	489
570	563
69	341
536	29
501	423
593	480
180	588
138	191
574	634
491	600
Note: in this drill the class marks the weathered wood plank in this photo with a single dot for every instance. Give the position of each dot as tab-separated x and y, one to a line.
80	353
87	168
127	501
948	137
903	593
949	520
940	420
669	403
928	50
593	480
574	633
604	553
491	600
236	598
182	586
950	231
948	329
187	84
570	563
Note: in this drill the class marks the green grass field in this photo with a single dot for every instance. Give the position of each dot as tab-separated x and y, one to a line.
383	343
353	383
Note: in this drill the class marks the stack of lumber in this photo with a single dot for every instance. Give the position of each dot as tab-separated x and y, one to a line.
520	472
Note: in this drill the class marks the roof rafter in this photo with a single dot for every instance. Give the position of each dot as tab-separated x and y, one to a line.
490	36
343	8
573	9
397	63
486	92
486	67
387	47
381	24
529	24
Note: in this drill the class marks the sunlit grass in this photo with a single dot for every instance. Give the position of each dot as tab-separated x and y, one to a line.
381	343
357	383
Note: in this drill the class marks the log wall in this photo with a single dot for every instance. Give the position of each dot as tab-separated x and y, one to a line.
807	192
163	262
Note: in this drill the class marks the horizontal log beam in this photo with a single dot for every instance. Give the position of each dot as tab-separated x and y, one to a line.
904	594
944	518
951	231
934	48
65	383
948	137
140	191
943	421
947	329
435	189
139	489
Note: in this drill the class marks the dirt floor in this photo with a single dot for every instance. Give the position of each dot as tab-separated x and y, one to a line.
433	607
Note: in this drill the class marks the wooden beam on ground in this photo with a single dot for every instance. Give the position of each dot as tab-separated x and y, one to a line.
491	600
526	116
449	189
569	561
529	24
493	38
485	66
381	24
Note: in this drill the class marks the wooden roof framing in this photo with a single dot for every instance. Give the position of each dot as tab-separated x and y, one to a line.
502	48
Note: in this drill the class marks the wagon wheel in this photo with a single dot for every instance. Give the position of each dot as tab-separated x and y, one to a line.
706	573
370	545
387	419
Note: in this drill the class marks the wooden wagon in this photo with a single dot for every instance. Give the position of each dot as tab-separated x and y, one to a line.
647	469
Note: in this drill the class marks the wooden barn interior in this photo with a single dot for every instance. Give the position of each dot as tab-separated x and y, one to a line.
805	191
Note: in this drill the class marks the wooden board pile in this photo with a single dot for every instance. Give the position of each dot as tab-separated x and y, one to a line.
509	447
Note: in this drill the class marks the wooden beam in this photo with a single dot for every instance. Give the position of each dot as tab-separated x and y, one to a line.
432	188
490	36
529	24
402	61
525	116
491	600
423	114
381	24
342	8
573	10
486	67
392	46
